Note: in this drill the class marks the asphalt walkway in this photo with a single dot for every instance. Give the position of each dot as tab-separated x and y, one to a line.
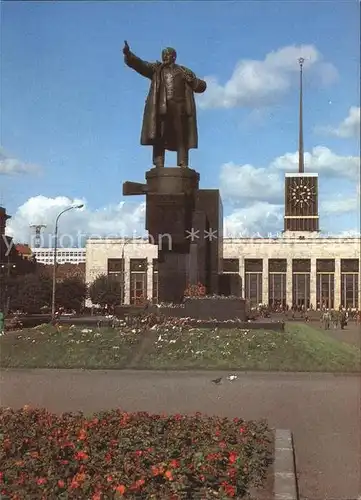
323	411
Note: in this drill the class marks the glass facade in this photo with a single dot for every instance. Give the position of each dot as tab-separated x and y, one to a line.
277	279
115	268
325	283
138	281
253	281
325	290
349	289
277	289
301	280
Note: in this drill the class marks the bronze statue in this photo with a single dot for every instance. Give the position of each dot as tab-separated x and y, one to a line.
170	119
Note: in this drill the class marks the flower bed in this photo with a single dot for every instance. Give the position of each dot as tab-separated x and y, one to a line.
113	455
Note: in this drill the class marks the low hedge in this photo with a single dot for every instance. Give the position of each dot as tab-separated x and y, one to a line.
116	455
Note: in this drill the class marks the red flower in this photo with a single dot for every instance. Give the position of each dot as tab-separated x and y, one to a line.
155	471
232	457
138	484
74	484
174	463
97	496
229	489
120	489
41	480
1	477
139	453
222	444
82	435
81	455
168	475
241	430
61	483
110	479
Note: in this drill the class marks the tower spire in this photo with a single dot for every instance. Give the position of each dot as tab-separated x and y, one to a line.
301	160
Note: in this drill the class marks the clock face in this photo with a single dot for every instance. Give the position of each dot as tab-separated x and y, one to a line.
302	194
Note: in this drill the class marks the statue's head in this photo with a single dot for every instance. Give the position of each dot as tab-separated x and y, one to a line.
169	55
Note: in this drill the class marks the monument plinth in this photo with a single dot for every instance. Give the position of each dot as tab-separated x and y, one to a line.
183	221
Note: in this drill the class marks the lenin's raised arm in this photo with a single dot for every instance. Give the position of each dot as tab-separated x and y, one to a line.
144	68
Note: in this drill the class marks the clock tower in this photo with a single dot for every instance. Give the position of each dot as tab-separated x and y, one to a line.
301	189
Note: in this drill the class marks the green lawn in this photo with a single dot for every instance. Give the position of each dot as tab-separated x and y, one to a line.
67	347
299	348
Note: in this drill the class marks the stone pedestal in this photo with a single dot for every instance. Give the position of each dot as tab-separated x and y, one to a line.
186	223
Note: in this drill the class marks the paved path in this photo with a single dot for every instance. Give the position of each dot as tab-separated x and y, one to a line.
323	411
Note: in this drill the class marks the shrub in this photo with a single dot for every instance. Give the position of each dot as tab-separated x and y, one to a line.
114	455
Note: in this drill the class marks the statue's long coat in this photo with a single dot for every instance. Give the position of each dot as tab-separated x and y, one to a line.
156	102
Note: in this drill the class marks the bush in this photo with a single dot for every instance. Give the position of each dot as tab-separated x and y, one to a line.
106	291
113	455
71	293
29	293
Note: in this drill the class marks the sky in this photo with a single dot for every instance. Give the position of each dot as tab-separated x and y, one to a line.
71	110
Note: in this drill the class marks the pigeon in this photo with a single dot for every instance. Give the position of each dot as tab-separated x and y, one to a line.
232	377
217	380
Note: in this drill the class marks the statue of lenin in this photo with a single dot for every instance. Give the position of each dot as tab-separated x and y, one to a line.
170	119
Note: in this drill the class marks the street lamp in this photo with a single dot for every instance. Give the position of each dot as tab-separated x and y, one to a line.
54	262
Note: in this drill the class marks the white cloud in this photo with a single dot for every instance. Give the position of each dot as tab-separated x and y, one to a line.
246	183
13	166
260	217
348	128
321	160
256	83
340	205
119	220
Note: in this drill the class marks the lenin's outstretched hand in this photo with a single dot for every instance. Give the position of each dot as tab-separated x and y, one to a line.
126	48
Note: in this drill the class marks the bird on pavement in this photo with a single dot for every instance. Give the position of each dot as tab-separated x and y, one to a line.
217	380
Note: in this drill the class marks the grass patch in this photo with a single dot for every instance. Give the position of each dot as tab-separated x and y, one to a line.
299	348
67	347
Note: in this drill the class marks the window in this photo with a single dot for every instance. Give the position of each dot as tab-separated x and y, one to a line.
349	289
115	265
115	268
253	281
277	279
301	289
325	291
231	266
138	280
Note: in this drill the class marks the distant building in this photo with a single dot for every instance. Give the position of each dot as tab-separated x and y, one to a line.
63	255
24	251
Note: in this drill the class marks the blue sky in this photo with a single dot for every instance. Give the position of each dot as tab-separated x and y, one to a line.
72	111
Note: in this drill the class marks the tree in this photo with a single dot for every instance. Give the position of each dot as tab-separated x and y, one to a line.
71	293
29	293
106	291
